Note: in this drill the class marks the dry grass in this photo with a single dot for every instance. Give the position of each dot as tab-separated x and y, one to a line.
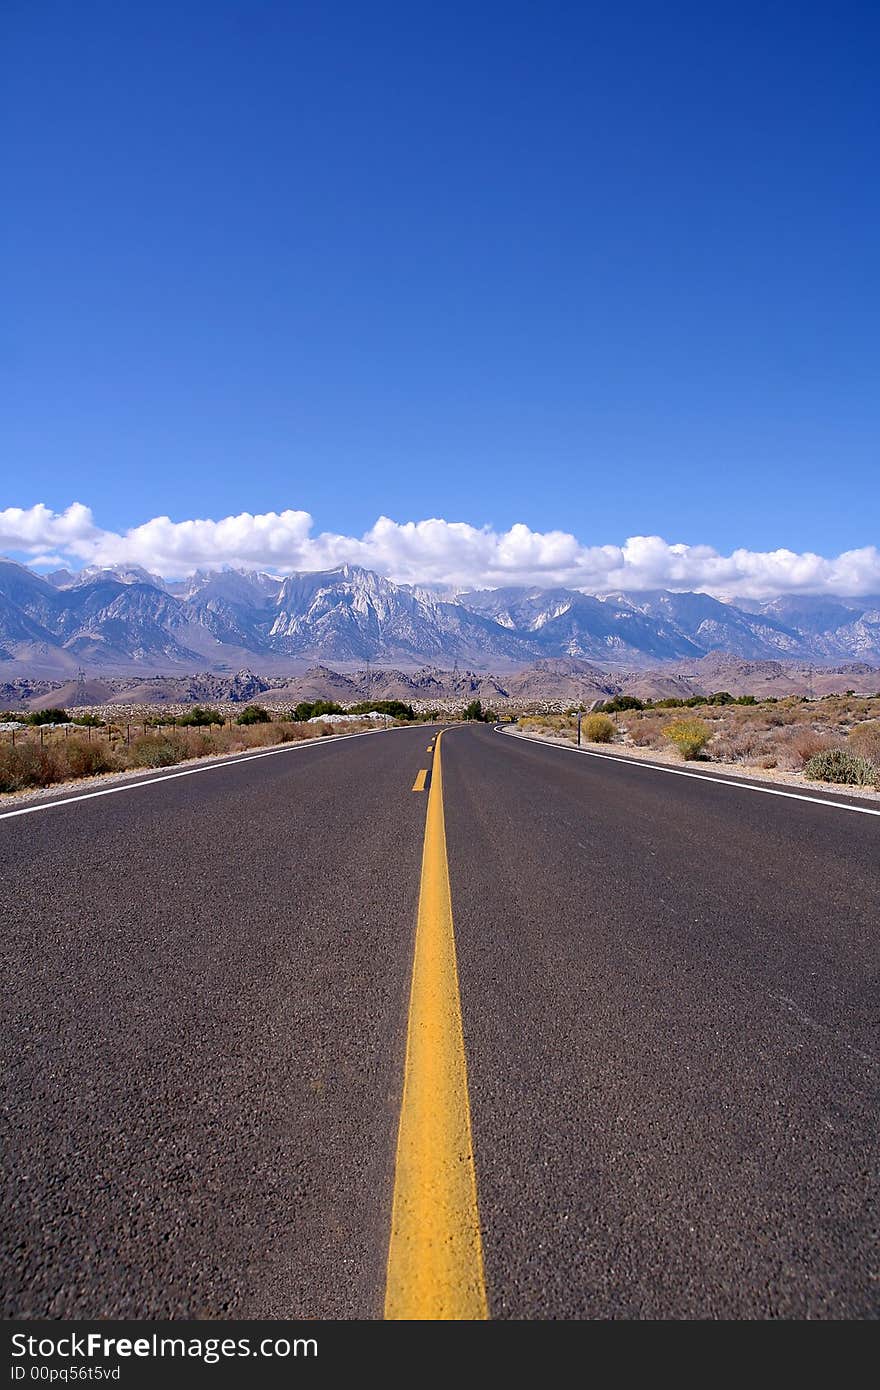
864	740
64	755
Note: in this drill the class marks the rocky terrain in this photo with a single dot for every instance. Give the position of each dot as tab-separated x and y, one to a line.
551	684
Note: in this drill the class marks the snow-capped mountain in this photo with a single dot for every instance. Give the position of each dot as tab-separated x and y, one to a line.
128	619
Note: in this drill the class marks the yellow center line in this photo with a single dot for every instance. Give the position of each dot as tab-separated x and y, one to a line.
421	777
435	1254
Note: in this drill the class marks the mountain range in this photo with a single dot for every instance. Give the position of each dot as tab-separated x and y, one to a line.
126	620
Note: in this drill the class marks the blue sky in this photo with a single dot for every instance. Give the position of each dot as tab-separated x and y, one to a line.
606	269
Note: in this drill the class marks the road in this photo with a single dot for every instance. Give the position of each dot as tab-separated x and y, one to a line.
650	1061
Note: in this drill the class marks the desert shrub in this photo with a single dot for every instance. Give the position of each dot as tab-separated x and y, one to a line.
86	759
28	765
598	728
690	736
802	744
201	745
296	733
154	750
253	714
620	703
262	735
646	733
737	745
88	721
839	765
864	740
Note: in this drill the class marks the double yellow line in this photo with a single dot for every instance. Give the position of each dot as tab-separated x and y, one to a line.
435	1255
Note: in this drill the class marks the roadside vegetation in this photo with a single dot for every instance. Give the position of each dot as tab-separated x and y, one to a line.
475	711
40	754
835	739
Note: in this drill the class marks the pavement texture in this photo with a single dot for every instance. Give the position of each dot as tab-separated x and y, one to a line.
669	994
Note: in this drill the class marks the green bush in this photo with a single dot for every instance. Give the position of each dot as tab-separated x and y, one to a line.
474	710
310	709
598	728
253	714
88	721
690	736
619	703
837	765
48	716
200	718
396	709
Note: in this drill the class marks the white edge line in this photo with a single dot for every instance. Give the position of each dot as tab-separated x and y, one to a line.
701	776
229	760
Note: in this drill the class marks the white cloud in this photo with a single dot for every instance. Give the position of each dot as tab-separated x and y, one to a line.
434	552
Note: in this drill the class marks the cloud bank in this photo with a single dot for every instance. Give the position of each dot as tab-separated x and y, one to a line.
449	553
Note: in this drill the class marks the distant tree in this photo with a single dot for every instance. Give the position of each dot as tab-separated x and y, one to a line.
48	716
395	708
312	709
200	717
253	714
620	702
88	721
474	710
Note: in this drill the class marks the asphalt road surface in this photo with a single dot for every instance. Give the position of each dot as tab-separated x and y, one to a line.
668	998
